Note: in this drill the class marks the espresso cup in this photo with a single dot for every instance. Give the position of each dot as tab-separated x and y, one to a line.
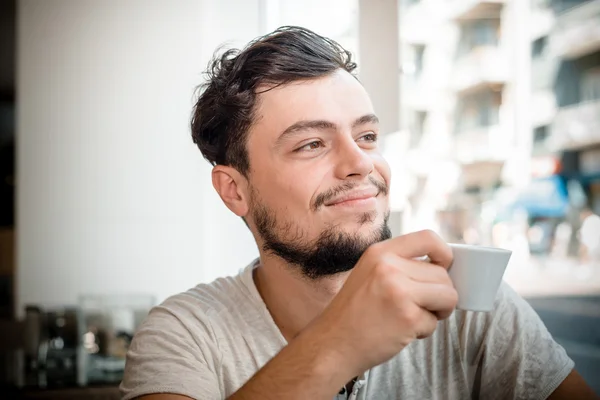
476	273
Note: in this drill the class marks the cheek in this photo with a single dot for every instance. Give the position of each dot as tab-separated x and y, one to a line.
288	190
298	191
382	167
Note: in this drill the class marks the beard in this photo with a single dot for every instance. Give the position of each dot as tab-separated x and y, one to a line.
332	252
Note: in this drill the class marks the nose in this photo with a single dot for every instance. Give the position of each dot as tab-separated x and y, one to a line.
352	160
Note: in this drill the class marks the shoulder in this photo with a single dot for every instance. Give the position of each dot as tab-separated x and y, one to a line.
177	347
201	307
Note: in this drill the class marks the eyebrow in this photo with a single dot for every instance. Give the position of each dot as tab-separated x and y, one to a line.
301	126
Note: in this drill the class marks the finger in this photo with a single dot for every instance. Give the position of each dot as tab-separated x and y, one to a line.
421	271
419	244
426	325
437	298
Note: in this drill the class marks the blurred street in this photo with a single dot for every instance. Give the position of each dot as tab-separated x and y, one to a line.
566	295
535	277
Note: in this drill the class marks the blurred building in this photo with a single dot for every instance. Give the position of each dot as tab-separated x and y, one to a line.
462	89
498	97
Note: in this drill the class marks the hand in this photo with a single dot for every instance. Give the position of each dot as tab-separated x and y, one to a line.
389	300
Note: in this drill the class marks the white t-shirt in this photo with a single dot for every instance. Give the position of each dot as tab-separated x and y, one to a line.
207	342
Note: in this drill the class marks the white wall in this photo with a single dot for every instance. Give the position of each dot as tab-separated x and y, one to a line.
337	19
113	197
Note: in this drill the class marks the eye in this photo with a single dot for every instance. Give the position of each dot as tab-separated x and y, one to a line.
370	137
310	146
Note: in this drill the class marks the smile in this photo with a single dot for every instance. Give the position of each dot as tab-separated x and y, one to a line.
359	198
367	202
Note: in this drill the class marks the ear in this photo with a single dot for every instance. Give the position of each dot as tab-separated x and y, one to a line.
232	188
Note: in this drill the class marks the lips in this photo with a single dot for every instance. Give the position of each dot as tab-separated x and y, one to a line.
354	195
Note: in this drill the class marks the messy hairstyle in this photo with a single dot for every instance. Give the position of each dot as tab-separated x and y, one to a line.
227	101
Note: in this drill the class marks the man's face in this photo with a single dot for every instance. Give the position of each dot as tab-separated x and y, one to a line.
318	183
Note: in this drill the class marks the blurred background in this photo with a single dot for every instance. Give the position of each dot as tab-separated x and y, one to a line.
491	111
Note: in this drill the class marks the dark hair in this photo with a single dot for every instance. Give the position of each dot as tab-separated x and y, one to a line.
226	105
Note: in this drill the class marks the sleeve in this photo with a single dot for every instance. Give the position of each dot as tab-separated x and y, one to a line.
519	359
165	357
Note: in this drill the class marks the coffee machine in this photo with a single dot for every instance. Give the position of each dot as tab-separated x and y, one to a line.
53	350
84	344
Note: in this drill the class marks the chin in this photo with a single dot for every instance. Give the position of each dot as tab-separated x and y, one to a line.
361	222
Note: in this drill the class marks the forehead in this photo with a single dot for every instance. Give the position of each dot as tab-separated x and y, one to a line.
337	97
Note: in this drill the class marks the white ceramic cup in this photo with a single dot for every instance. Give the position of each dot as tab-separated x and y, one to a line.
477	272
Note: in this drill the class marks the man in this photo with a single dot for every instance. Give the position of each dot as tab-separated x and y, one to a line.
333	308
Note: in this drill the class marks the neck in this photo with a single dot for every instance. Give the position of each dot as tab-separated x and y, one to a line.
292	299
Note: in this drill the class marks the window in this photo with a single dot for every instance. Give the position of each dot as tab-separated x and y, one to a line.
478	33
414	60
540	4
589	161
478	110
408	3
421	118
590	85
540	134
538	47
419	53
560	6
473	190
485	32
417	127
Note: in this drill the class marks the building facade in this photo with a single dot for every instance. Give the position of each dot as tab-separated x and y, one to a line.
499	98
